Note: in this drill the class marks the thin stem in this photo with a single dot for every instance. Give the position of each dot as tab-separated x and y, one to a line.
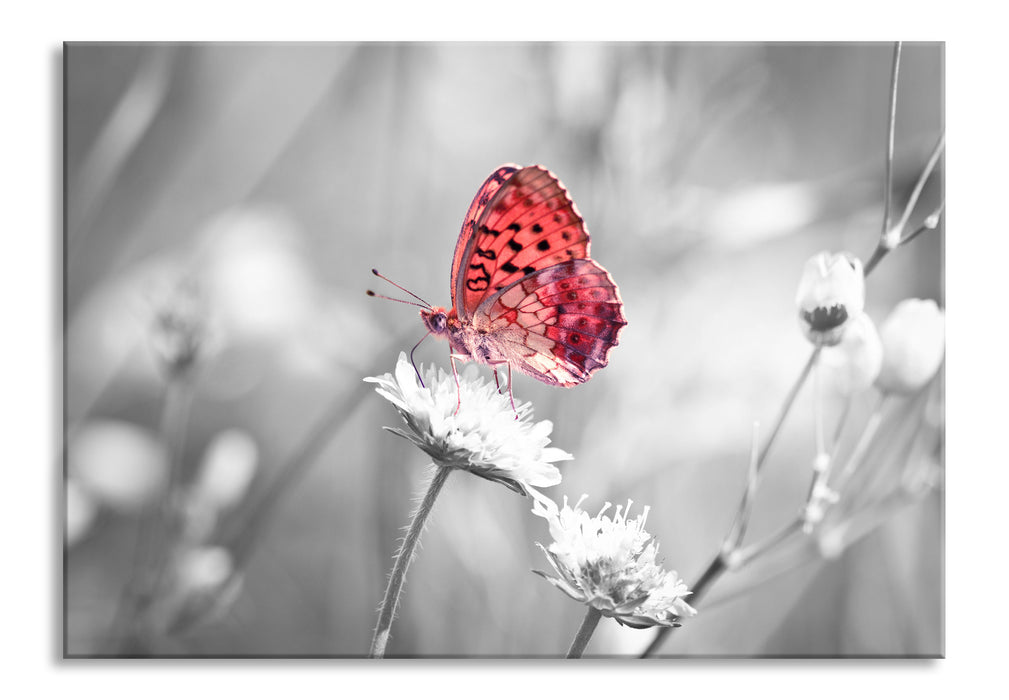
403	558
812	551
787	407
715	569
862	446
821	440
256	514
584	634
155	533
718	565
839	430
748	555
916	193
738	530
878	254
894	236
892	123
822	478
930	224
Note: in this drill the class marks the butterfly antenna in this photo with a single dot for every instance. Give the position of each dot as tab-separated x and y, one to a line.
419	379
401	301
397	286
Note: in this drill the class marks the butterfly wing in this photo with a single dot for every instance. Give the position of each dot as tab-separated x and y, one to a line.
557	324
483	196
528	224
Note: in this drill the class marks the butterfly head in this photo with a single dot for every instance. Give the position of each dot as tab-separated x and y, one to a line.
437	320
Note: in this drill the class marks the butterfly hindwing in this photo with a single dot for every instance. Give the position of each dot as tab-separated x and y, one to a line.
557	324
527	225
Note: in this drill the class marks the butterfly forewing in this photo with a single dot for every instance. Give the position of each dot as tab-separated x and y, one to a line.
467	277
527	225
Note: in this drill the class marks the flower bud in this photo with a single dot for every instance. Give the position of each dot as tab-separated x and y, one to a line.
180	329
914	342
831	291
853	364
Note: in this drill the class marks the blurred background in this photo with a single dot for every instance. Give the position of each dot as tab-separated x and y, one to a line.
246	191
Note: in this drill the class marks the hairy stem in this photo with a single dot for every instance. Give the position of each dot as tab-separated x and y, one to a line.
403	558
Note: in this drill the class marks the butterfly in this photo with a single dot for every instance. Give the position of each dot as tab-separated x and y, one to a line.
525	293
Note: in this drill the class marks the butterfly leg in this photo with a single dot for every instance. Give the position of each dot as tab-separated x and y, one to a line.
496	382
510	394
458	389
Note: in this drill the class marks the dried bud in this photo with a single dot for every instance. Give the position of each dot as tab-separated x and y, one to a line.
180	329
914	342
853	364
831	291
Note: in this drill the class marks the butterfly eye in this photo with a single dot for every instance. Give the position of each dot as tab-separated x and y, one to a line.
436	321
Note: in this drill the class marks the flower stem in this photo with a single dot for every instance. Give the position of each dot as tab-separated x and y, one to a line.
746	556
891	127
253	518
886	244
403	558
862	447
920	184
787	406
156	529
584	633
719	564
716	568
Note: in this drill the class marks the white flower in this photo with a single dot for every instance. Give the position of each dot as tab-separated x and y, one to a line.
831	291
483	437
914	342
853	364
609	563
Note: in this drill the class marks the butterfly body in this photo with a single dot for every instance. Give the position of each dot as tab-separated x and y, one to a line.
525	292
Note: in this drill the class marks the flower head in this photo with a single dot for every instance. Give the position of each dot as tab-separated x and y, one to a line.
914	342
853	364
831	291
609	563
483	436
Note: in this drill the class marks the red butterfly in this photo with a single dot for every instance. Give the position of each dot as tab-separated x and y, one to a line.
525	292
